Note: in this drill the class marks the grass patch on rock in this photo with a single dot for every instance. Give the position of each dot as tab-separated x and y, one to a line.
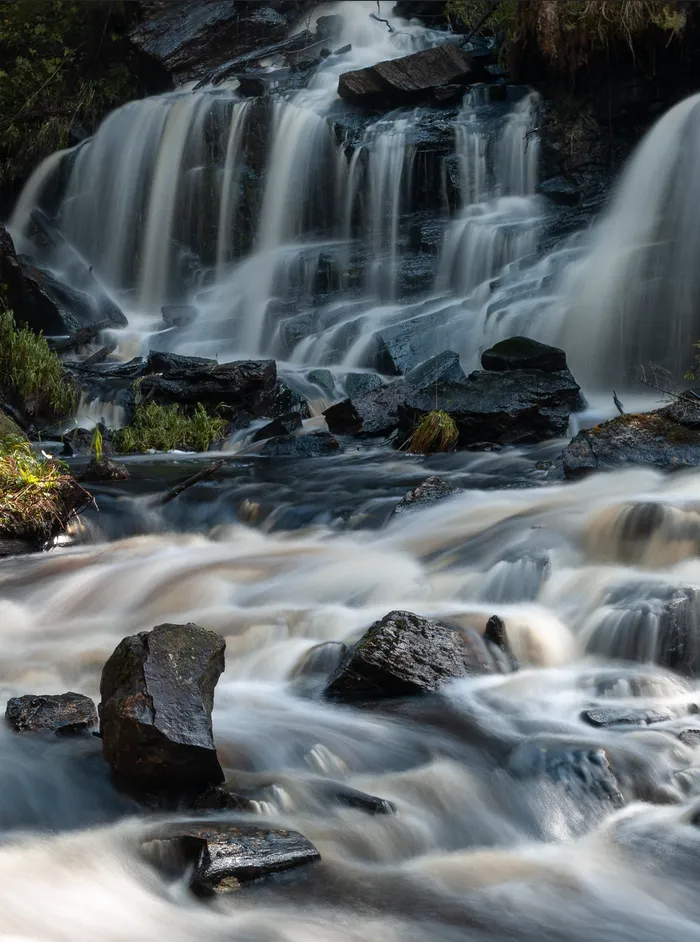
32	373
164	428
435	432
37	495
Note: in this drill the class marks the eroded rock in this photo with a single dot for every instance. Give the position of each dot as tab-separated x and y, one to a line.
433	490
63	714
157	691
406	654
104	469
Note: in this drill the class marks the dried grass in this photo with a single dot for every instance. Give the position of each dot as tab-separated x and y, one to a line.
435	432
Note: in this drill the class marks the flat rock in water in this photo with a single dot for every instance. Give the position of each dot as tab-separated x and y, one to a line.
668	439
433	490
522	353
582	772
406	654
64	714
226	855
157	693
443	368
627	716
348	797
313	445
410	76
104	469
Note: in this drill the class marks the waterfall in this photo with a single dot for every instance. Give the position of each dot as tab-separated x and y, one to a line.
636	297
229	185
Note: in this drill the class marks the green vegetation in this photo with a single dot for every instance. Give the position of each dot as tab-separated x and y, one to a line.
61	63
97	449
436	431
470	12
32	372
36	493
167	427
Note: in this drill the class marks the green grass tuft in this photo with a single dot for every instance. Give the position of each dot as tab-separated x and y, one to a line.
36	493
164	428
436	431
31	371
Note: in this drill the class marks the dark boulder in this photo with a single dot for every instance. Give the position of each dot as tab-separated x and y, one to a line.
104	469
407	78
191	39
513	407
443	368
279	399
221	798
650	622
323	379
313	445
406	654
330	27
522	353
157	693
560	191
63	714
357	383
433	490
321	660
338	794
225	855
582	772
375	412
668	439
179	315
401	347
284	425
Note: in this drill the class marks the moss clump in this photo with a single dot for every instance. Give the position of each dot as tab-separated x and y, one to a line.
32	373
470	12
164	428
37	495
436	431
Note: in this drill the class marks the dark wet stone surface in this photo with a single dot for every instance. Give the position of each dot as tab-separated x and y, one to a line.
431	491
64	714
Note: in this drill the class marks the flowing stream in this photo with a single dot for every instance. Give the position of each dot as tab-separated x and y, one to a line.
291	230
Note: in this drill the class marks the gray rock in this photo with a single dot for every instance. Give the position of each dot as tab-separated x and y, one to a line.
522	353
582	772
284	425
403	346
406	654
443	368
433	490
627	716
157	693
104	469
314	445
375	412
357	383
63	714
323	379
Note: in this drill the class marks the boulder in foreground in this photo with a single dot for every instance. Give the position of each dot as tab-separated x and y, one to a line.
224	855
405	654
523	353
63	714
668	439
157	693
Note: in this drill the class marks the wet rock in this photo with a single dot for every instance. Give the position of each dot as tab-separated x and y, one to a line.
505	408
179	315
690	737
433	490
650	622
357	383
221	798
253	86
403	346
314	445
627	716
405	79
655	439
406	654
157	693
191	39
321	660
284	425
63	714
352	798
279	399
329	27
495	634
449	94
343	50
443	368
323	379
582	772
522	353
104	469
225	855
560	191
374	412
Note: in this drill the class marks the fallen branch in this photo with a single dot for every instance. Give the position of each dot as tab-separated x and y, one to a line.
80	338
475	29
380	19
99	356
190	482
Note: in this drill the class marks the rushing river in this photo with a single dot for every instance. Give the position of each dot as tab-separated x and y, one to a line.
279	555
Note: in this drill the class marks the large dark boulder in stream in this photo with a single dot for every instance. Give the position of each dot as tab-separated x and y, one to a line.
407	78
375	412
284	425
157	693
104	469
222	856
668	439
523	353
62	714
405	654
432	491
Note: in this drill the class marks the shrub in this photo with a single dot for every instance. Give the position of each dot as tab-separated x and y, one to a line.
36	493
164	428
436	431
31	371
